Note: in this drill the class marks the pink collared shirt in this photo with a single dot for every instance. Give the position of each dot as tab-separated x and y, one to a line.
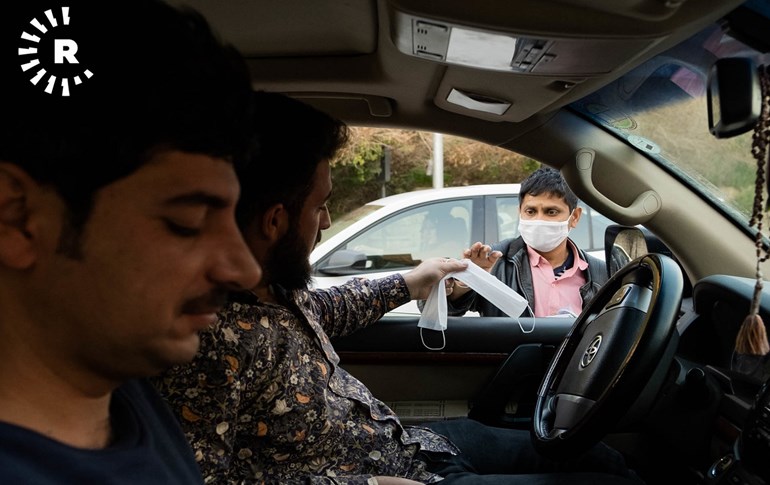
555	295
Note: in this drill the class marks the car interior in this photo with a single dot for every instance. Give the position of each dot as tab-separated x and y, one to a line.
627	98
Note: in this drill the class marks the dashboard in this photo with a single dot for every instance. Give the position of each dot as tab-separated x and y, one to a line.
711	384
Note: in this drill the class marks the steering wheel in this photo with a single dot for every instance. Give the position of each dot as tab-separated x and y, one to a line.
616	354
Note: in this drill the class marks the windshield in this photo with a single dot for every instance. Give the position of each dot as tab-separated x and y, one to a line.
661	108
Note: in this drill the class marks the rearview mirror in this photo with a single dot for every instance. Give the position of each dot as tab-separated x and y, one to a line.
734	96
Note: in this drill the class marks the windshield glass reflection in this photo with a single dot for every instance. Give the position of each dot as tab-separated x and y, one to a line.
661	108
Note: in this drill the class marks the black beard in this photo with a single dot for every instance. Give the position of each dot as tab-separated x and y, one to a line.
287	264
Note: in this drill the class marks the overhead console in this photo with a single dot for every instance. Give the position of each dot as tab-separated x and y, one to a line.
550	66
508	52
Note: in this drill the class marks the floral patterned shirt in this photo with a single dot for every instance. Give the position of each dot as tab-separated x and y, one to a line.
266	402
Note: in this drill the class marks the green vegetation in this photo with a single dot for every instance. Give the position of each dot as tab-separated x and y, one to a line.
356	172
724	167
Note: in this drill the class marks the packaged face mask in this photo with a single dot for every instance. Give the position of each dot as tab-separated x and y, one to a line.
434	313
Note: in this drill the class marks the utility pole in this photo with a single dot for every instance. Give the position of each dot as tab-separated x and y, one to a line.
384	168
438	160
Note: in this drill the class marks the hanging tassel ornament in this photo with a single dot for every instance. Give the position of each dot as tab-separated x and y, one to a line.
752	336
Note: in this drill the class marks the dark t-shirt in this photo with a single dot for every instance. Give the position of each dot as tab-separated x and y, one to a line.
149	448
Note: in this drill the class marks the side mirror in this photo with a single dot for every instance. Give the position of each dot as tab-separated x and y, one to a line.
344	262
626	243
622	244
734	96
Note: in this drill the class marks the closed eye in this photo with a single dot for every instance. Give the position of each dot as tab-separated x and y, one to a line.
180	230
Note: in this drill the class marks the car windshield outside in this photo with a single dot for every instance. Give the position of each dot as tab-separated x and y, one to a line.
661	108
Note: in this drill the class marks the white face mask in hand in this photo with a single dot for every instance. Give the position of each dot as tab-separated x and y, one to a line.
543	235
434	313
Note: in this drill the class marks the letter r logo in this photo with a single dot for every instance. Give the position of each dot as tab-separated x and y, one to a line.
64	49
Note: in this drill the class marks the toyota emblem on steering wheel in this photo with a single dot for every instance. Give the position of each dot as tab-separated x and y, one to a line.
591	351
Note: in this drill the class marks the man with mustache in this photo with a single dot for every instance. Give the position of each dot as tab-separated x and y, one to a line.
118	240
265	400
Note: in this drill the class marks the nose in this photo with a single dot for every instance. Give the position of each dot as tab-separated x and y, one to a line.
326	219
234	266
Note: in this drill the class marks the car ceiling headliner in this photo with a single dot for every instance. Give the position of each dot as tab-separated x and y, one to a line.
342	55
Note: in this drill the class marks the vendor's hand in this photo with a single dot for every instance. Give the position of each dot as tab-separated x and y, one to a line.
424	277
482	255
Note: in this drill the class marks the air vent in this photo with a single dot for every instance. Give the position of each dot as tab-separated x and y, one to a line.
410	412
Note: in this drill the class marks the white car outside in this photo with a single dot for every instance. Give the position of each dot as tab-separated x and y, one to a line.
394	233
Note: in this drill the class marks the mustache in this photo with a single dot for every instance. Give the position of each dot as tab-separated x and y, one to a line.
212	301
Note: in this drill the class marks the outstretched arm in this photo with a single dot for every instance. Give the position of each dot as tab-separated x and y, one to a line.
361	302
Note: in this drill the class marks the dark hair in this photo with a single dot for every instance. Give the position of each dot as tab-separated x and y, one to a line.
294	138
160	80
547	180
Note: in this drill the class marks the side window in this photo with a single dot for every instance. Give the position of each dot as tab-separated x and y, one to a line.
433	230
589	234
398	234
581	235
507	217
599	225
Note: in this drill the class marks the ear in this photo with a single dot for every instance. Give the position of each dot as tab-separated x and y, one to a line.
275	222
576	217
17	248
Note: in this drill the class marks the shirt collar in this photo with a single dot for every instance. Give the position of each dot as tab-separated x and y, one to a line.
535	259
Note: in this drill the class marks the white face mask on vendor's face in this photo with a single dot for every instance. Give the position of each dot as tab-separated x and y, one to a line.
542	235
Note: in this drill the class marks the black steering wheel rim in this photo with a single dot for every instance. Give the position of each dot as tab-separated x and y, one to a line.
607	359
